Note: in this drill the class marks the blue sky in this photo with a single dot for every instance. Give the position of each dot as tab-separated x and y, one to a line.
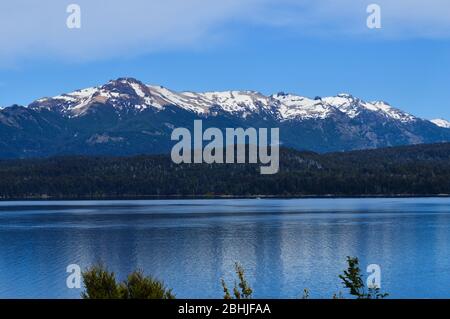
304	47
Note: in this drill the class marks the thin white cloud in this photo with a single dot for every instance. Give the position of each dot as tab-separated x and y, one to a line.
33	29
400	18
111	27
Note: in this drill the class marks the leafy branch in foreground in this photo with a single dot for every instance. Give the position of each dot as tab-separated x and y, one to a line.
352	279
241	290
101	284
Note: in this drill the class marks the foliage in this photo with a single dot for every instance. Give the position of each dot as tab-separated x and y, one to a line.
241	290
353	280
101	284
137	286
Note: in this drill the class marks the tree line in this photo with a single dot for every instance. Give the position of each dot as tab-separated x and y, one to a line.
409	170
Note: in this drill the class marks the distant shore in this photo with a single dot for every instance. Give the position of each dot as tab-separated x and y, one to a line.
413	171
179	197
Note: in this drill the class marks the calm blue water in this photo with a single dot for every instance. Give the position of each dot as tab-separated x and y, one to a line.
284	245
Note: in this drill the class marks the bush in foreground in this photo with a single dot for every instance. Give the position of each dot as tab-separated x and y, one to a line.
101	284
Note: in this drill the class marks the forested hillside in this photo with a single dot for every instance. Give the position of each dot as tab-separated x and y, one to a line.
409	170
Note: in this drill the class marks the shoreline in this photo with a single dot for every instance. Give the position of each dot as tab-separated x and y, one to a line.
206	197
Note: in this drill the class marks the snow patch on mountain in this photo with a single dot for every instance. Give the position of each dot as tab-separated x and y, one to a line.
441	123
345	103
237	101
299	107
391	112
190	102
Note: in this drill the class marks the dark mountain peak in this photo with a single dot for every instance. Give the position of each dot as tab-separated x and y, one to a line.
16	106
14	109
125	85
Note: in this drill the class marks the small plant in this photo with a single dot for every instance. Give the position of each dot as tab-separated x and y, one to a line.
241	290
352	279
102	284
226	291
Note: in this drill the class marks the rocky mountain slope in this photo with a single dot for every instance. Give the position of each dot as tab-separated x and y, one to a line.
125	117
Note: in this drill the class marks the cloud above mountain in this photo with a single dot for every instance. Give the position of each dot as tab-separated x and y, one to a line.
33	29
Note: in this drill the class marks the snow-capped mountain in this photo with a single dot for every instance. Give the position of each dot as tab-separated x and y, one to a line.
126	116
130	94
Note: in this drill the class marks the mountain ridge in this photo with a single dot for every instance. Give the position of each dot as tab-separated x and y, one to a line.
232	101
126	117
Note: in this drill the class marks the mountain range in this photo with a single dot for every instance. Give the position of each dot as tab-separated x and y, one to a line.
126	117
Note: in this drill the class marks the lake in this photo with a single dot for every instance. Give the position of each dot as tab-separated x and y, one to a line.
285	245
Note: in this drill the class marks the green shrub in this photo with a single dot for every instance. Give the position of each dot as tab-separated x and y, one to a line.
138	286
101	284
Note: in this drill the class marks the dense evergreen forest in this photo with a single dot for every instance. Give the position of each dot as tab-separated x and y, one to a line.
408	170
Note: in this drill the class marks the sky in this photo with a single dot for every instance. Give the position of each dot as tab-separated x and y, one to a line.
307	47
